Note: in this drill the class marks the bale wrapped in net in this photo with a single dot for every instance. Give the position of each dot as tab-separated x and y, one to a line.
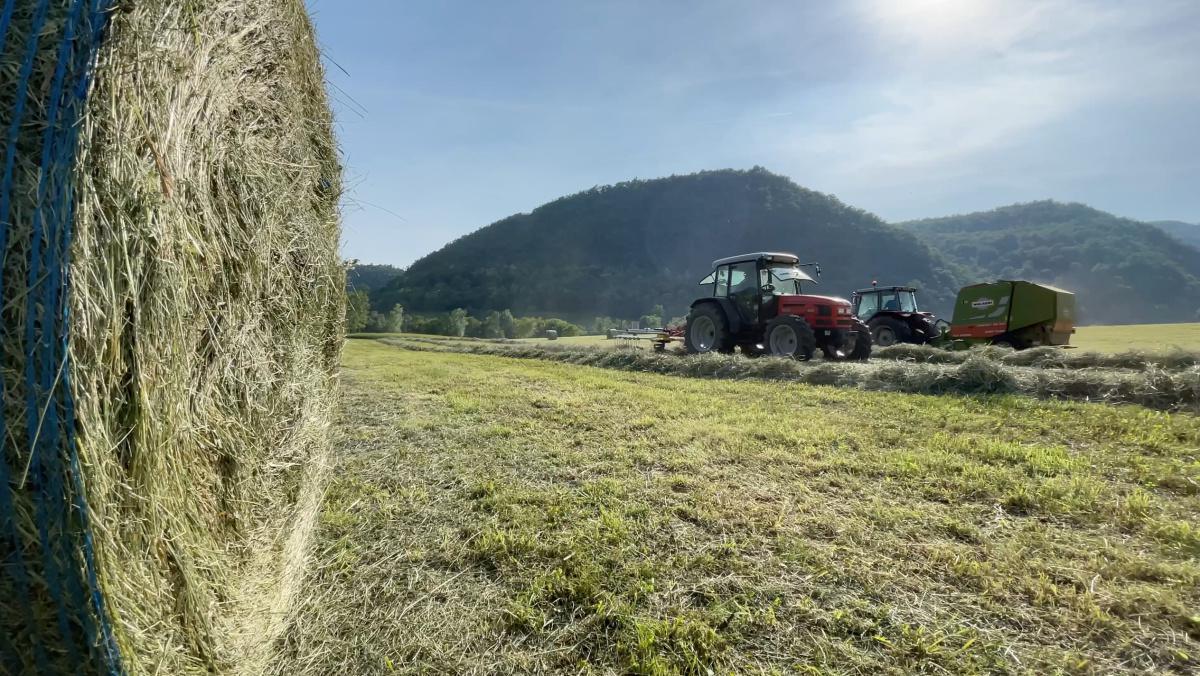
172	305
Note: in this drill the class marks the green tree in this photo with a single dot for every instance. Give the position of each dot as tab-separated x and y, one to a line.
563	327
491	325
527	327
358	305
458	322
394	320
474	328
375	322
653	320
508	324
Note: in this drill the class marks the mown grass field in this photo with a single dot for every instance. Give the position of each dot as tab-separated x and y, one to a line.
495	515
1150	337
1107	339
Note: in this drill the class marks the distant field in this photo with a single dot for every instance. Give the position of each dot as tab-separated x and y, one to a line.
1108	339
1151	337
495	515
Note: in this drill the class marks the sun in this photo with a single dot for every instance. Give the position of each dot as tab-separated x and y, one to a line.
933	22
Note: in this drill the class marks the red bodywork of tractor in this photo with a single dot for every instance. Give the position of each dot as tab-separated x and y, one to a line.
755	302
821	312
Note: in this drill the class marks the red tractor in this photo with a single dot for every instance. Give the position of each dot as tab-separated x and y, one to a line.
755	302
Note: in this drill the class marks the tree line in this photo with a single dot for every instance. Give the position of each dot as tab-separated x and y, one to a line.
495	324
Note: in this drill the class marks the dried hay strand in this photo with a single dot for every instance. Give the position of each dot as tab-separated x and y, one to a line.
172	317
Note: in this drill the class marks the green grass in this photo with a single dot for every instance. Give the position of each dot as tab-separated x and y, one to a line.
594	341
493	515
1149	337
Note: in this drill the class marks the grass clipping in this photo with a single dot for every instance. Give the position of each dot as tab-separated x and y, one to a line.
206	304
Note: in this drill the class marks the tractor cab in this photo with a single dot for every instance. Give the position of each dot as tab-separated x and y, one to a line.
867	302
757	302
892	315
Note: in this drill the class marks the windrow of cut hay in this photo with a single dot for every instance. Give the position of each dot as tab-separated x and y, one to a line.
172	307
1045	357
1153	387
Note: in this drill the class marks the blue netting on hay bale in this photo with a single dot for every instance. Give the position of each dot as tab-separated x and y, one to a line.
53	45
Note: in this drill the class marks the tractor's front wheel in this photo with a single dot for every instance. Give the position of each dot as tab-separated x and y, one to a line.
790	336
862	343
707	331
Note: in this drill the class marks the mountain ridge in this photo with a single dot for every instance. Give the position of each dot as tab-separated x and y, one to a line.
1122	270
618	250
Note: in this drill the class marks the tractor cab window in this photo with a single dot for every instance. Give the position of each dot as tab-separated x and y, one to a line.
707	282
722	282
743	289
741	278
868	305
786	279
898	301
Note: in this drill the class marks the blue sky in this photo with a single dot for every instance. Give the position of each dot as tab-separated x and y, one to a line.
453	115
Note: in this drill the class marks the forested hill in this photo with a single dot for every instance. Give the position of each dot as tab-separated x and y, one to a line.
1123	271
370	278
1188	233
619	250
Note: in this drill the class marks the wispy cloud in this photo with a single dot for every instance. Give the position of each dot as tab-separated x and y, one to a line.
959	79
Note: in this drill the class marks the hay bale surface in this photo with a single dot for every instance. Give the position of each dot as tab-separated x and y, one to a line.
172	304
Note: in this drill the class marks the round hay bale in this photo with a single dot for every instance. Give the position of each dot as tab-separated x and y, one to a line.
172	304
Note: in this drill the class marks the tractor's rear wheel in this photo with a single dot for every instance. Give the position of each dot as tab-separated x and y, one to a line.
887	332
707	331
789	336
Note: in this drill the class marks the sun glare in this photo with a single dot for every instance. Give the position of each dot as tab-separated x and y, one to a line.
933	22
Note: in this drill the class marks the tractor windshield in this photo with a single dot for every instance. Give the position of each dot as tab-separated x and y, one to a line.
785	278
898	301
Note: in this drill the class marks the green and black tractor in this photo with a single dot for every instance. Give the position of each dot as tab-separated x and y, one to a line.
892	315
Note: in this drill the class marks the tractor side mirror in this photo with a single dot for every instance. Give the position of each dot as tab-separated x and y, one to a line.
817	267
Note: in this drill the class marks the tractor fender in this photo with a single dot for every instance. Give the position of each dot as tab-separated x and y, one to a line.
728	309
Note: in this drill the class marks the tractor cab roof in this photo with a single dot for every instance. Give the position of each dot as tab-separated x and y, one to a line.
887	288
770	257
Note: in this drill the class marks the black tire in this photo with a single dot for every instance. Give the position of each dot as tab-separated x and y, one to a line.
1006	340
860	349
711	330
790	336
753	351
887	331
862	343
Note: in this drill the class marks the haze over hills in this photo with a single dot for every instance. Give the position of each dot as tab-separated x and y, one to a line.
1122	271
1188	233
619	250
